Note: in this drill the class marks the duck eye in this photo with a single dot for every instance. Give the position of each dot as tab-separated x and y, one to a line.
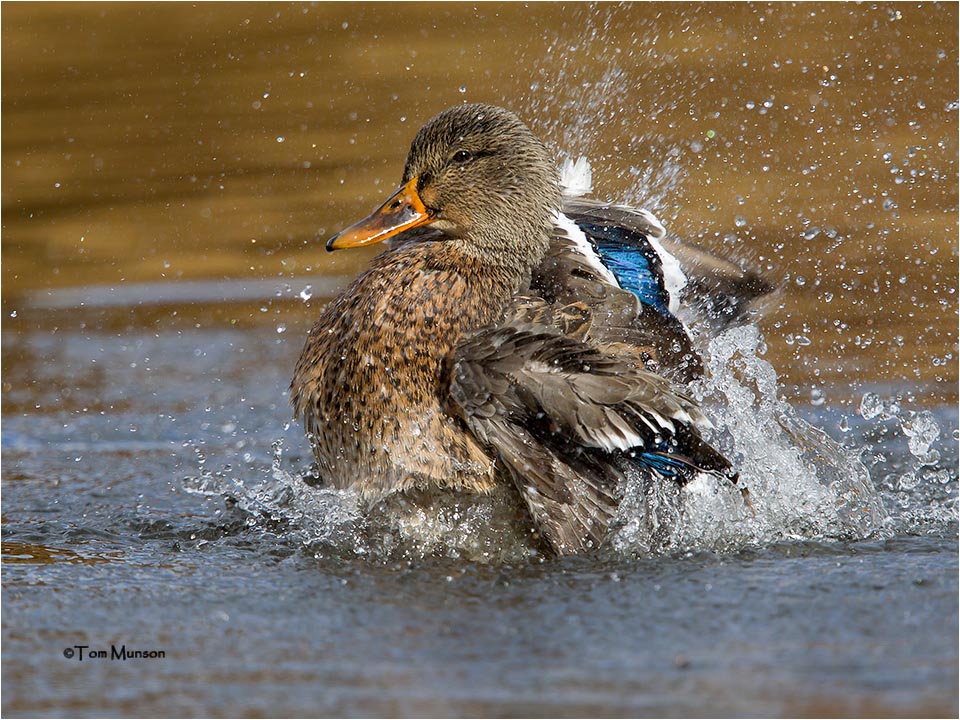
461	156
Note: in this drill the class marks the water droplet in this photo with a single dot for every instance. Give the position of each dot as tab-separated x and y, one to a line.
922	431
281	328
871	406
941	476
908	481
462	89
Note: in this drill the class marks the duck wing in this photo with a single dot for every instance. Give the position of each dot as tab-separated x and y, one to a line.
712	290
567	419
624	291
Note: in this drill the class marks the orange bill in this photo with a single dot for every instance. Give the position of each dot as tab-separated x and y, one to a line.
402	211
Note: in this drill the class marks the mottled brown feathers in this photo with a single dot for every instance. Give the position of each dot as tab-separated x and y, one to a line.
367	385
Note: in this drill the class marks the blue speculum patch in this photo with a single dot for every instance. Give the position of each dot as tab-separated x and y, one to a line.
633	262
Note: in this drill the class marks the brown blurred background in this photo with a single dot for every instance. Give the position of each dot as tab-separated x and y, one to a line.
155	142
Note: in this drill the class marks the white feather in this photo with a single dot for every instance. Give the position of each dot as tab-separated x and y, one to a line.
673	278
609	440
656	230
661	421
583	247
576	178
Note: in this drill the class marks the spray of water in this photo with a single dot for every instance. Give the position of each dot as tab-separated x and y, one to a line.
922	491
285	502
577	110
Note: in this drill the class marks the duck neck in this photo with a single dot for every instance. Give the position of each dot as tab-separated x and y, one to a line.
491	283
509	253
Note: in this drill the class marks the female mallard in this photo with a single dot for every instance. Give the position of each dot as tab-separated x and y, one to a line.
500	340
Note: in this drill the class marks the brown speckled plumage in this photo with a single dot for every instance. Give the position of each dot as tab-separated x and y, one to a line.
369	383
463	360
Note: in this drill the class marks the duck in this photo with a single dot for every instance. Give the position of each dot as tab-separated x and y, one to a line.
514	336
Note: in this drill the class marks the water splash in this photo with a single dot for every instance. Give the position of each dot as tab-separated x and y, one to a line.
576	103
328	522
795	482
920	428
804	483
921	490
285	502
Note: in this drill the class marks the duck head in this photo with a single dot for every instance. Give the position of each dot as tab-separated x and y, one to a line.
477	175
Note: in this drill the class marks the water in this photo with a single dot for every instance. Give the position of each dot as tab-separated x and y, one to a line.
107	542
160	272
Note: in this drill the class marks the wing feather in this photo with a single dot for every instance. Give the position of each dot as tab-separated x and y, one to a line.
562	415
